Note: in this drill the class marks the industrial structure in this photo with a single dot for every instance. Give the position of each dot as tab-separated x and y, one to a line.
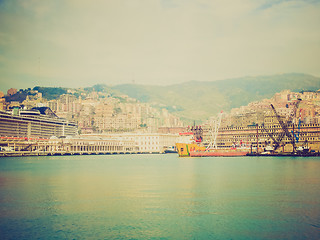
276	134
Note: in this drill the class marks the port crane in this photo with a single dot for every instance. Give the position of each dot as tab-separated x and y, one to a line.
269	134
276	141
284	126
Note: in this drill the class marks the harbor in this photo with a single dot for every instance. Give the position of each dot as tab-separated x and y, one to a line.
148	196
21	135
159	120
276	135
287	124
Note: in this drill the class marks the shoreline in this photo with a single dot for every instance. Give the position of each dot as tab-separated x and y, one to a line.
34	154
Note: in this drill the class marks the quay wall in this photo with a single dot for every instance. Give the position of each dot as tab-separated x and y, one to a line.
14	146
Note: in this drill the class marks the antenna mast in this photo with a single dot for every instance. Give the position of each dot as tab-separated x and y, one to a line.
214	128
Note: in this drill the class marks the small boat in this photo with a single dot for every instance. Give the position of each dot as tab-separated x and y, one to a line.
170	149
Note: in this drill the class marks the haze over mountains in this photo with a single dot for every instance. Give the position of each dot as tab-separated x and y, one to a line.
200	100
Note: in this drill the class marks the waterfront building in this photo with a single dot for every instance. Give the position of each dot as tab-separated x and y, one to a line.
143	142
257	126
269	132
150	142
89	144
14	146
253	136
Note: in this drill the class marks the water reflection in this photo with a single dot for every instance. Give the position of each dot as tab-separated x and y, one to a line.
159	196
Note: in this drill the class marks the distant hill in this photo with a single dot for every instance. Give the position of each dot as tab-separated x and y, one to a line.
51	92
196	100
200	100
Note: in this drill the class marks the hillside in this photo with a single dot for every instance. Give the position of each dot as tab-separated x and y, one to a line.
200	100
196	100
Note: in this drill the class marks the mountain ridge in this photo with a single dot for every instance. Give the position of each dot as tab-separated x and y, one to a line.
198	100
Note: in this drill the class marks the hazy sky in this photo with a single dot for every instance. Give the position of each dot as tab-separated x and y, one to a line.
75	43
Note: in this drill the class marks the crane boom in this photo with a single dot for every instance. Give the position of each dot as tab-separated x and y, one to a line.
214	131
269	134
284	127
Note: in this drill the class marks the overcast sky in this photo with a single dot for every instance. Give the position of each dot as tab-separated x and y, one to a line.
79	43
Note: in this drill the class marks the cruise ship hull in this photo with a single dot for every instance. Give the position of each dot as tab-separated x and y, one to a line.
34	126
219	154
184	149
194	150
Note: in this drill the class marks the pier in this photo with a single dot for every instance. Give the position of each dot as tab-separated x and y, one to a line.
16	147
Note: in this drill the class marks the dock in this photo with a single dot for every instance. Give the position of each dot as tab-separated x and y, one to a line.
19	147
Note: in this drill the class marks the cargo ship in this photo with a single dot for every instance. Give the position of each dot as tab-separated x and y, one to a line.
220	153
189	141
197	150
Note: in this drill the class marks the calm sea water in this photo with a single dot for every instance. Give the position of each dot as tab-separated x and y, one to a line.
159	197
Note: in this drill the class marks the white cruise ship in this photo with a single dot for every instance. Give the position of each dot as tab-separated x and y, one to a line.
35	123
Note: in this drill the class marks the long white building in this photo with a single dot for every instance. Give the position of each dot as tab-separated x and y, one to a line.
146	142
